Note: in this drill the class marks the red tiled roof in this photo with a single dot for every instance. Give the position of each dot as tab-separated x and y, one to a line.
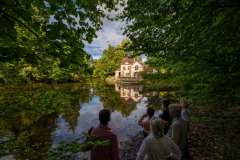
128	60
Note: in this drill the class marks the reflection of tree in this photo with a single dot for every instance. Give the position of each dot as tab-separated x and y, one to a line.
36	141
32	142
71	115
80	91
27	117
84	95
130	105
111	100
155	102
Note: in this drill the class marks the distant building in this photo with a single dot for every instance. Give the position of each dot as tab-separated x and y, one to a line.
131	68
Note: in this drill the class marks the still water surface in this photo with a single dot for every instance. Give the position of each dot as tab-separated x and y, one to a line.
124	127
35	118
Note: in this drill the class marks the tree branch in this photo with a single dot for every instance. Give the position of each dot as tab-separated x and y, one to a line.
12	18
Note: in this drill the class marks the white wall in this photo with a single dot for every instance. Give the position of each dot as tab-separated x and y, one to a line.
128	70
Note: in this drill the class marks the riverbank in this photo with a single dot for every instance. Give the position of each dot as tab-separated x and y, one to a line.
200	136
213	135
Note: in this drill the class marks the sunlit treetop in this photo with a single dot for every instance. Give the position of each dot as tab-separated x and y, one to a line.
40	32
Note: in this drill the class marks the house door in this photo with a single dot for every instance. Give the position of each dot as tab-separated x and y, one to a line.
135	75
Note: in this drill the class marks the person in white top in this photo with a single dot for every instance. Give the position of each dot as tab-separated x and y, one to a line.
157	146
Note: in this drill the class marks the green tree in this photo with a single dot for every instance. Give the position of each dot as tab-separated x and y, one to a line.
44	40
110	60
197	41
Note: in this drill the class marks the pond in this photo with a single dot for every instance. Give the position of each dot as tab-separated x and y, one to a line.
35	118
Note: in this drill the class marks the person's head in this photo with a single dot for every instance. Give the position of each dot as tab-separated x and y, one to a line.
166	103
104	116
157	127
184	103
175	110
150	112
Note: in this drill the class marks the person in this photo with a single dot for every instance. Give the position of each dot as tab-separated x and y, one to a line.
102	131
144	121
157	146
165	115
178	130
185	114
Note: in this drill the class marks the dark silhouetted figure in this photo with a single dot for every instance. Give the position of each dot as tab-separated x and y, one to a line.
103	132
165	115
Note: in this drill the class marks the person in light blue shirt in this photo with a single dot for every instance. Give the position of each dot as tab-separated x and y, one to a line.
157	146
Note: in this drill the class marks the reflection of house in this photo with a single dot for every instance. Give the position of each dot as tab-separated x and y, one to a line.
130	92
131	68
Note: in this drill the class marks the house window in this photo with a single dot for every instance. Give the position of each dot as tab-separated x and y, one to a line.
136	95
124	68
129	67
136	67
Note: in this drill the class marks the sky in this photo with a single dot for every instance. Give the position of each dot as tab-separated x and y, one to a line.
110	34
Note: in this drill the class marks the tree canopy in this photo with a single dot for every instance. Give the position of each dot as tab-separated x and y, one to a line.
110	60
197	41
44	40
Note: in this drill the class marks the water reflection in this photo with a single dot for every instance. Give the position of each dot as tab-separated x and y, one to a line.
124	127
34	119
28	117
113	101
32	142
130	92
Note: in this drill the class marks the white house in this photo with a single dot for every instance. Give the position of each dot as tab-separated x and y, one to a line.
131	68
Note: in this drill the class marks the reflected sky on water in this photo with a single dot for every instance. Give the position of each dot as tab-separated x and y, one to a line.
35	118
124	127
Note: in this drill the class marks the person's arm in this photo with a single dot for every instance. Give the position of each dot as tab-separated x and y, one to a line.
142	151
185	115
90	131
115	149
141	119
